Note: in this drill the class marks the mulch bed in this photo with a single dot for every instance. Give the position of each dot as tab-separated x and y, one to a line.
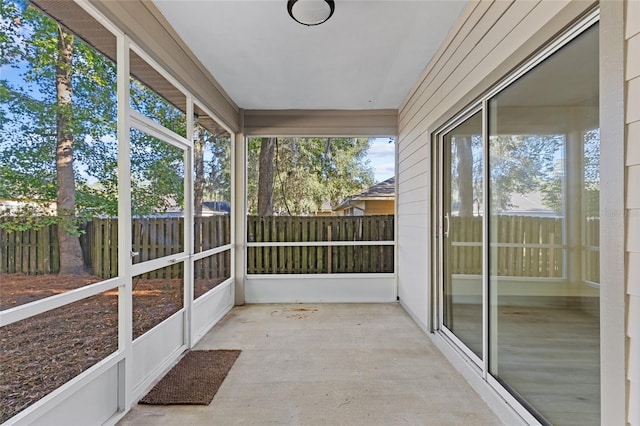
41	353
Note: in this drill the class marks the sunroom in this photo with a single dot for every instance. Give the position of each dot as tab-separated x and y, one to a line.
139	139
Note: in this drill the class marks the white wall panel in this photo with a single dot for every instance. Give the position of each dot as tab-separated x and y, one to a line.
209	308
94	403
155	351
338	288
413	258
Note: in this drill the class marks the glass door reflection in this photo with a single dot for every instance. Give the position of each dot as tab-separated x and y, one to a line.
463	237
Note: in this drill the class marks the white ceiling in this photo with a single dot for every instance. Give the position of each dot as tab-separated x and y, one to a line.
367	56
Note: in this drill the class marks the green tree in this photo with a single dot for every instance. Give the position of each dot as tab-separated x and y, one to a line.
463	148
520	164
212	167
308	172
265	177
58	141
67	88
552	187
157	168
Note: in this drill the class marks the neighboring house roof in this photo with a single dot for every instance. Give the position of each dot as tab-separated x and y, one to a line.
218	206
326	206
385	190
529	204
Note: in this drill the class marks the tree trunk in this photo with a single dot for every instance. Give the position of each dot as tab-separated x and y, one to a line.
265	177
71	260
198	184
465	175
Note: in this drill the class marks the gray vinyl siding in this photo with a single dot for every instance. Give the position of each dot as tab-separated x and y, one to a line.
632	77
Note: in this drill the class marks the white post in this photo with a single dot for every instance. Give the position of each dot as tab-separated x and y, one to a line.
239	211
125	301
189	331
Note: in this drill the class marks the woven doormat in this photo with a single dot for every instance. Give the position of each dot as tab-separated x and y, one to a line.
194	380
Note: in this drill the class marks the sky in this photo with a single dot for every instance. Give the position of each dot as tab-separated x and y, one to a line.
382	157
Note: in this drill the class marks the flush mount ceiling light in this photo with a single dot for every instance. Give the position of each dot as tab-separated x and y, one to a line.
311	12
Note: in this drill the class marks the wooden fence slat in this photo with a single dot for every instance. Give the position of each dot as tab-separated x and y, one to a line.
31	251
11	267
11	252
114	244
55	250
273	252
251	263
44	246
24	253
259	239
97	234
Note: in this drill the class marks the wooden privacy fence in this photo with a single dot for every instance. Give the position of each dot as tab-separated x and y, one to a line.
521	246
31	252
36	251
283	249
524	246
591	260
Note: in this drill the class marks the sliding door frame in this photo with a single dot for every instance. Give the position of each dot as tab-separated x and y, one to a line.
443	227
439	227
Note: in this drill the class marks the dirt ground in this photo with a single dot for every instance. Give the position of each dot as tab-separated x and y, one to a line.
41	353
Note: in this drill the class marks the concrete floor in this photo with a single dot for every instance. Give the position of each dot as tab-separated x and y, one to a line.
327	364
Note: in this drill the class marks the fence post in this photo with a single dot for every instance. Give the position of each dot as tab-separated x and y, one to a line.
329	249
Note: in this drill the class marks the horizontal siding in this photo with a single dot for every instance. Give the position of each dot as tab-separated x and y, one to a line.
411	222
633	146
633	195
410	148
632	26
408	158
411	176
508	33
415	207
632	160
412	197
414	182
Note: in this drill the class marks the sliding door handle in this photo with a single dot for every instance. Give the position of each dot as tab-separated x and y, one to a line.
447	224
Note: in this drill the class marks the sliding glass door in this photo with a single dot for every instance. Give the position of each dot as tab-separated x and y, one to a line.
462	206
520	266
